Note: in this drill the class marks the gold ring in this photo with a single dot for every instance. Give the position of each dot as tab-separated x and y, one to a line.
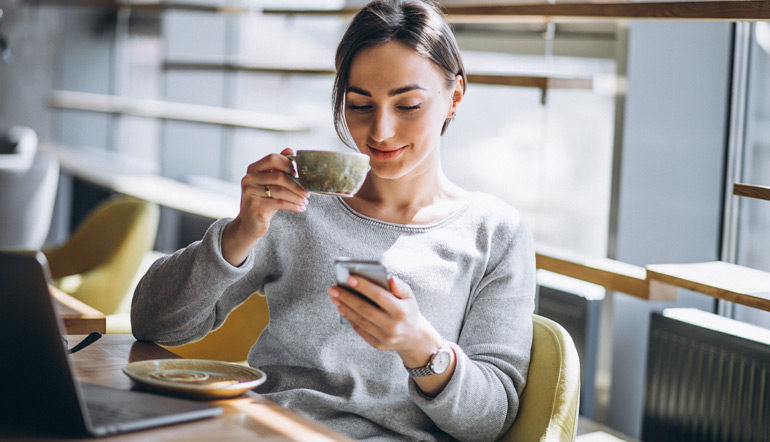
267	192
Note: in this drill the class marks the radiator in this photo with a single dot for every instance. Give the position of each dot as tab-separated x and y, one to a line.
575	305
708	379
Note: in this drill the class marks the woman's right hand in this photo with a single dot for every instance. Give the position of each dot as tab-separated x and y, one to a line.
258	206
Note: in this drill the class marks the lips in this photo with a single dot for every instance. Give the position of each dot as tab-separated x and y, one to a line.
385	153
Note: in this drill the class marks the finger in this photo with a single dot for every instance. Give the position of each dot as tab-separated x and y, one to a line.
283	179
379	295
254	188
287	152
368	337
400	288
274	178
278	193
285	205
361	321
360	306
272	161
256	199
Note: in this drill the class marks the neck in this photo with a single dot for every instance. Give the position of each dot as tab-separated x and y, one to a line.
418	189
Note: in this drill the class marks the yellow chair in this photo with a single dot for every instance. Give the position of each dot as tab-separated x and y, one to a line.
232	341
98	263
548	410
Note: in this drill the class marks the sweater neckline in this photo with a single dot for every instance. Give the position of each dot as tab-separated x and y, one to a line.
411	227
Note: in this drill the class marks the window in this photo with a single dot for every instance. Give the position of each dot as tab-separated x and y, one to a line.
548	156
754	228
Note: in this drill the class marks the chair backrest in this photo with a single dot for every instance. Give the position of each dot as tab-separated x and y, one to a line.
105	251
548	409
27	197
232	341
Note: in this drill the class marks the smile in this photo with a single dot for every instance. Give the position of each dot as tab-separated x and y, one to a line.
385	153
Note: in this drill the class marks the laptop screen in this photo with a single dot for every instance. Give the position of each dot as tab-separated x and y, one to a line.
38	389
35	373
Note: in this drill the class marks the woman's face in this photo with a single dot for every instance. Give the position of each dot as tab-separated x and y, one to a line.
396	103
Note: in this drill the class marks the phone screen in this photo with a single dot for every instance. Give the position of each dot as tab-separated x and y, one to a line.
369	269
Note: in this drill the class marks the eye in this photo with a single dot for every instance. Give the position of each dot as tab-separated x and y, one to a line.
357	108
410	108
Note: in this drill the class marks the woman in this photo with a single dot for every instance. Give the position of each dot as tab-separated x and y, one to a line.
445	352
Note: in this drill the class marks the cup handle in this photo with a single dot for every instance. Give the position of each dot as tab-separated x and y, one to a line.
293	159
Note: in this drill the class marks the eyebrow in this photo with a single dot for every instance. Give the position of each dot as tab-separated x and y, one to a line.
392	92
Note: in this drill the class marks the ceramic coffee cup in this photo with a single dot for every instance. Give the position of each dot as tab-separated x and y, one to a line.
330	173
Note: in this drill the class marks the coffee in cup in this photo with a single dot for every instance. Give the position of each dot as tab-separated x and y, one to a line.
330	173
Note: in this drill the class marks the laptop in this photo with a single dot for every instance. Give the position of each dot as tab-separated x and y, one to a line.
38	387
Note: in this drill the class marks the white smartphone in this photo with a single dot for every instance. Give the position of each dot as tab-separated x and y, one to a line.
370	269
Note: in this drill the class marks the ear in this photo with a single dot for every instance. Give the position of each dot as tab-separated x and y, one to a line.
457	96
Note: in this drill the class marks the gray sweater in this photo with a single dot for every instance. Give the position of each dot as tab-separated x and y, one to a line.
473	277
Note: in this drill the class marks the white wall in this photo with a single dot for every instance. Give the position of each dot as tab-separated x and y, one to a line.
670	196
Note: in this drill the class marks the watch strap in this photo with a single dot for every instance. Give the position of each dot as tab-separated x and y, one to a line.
427	370
420	372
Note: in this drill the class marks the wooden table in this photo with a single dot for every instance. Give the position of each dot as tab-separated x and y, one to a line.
78	317
247	417
722	280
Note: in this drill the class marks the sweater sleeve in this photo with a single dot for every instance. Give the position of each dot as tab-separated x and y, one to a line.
481	400
185	295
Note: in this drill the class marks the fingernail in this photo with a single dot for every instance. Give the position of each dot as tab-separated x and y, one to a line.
301	208
333	292
304	201
352	281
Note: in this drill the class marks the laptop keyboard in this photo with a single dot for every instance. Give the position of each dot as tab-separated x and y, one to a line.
112	410
102	413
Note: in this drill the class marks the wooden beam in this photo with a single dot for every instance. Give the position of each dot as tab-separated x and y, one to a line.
165	110
150	5
613	275
341	12
535	81
237	67
678	10
719	279
752	191
744	10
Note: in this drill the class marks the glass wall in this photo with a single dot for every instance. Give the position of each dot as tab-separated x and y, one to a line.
550	157
754	224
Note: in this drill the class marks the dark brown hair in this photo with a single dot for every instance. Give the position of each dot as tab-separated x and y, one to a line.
418	24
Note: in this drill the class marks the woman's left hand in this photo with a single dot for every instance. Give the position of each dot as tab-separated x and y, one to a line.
396	324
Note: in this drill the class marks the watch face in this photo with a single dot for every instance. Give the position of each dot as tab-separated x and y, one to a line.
440	362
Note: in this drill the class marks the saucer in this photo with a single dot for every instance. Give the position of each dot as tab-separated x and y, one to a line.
195	377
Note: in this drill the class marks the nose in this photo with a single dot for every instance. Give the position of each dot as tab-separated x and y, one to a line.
383	126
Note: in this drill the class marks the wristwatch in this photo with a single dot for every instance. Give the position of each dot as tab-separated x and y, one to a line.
438	363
